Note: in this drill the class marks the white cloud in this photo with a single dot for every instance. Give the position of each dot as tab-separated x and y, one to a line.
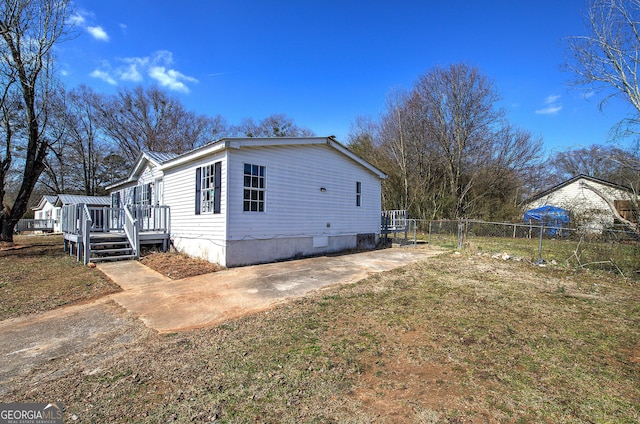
104	76
132	70
76	20
156	66
170	78
98	33
553	107
552	99
551	110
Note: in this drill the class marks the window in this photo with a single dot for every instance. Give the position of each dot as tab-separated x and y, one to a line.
142	195
208	187
358	193
254	176
115	199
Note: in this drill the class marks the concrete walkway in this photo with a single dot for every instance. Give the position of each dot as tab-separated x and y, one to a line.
174	305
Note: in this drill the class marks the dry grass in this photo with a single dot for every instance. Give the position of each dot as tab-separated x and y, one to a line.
178	265
37	275
455	339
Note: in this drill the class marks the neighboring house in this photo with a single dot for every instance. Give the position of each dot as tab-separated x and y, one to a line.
90	201
587	208
242	201
47	211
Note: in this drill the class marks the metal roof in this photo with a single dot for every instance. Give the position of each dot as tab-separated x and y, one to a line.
160	157
69	199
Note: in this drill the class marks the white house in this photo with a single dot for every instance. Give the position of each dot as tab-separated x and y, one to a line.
579	196
46	210
240	201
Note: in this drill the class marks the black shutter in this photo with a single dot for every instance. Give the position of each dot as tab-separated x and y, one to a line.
217	186
198	189
147	195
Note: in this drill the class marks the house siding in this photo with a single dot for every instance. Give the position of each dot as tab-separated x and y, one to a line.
299	218
196	235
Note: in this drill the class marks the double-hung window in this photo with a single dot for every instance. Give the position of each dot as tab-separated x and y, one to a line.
254	188
358	193
208	186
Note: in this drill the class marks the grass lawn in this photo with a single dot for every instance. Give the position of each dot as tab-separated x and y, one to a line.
454	339
37	275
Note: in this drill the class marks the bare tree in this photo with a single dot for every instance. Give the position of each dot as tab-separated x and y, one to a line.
607	162
28	31
449	152
150	119
607	58
277	125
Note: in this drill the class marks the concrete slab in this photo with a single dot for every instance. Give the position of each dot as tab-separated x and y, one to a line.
177	305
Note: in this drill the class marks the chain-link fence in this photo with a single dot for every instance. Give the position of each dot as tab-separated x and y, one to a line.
613	249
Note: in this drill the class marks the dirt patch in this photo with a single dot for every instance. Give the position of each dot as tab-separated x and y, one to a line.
178	265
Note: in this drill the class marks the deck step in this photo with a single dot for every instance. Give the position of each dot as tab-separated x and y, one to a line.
111	258
100	252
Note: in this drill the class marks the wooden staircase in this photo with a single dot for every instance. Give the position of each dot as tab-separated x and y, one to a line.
110	247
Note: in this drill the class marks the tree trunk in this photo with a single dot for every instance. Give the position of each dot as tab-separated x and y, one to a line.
6	228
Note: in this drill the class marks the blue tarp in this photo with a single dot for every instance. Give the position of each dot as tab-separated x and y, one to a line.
549	216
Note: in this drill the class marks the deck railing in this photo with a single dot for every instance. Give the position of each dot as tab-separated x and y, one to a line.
35	225
79	221
86	223
132	231
106	219
394	220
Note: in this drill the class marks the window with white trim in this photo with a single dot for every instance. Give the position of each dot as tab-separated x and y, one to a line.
358	193
254	188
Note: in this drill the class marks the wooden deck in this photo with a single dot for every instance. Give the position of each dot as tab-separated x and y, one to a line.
103	234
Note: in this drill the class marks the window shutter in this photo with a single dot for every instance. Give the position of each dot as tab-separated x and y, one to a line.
147	195
217	186
198	189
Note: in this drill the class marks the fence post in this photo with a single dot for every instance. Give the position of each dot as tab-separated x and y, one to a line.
460	234
429	235
540	260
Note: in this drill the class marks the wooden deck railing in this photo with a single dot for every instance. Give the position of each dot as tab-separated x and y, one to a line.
78	222
132	231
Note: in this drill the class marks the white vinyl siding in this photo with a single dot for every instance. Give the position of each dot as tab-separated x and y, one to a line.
295	204
180	194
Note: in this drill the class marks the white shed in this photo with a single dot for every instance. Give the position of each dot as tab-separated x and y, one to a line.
578	195
241	201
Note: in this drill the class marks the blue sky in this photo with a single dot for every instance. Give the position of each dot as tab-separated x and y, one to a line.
323	63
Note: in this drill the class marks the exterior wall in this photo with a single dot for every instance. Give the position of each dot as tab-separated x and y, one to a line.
196	235
300	218
255	251
49	211
586	207
149	176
